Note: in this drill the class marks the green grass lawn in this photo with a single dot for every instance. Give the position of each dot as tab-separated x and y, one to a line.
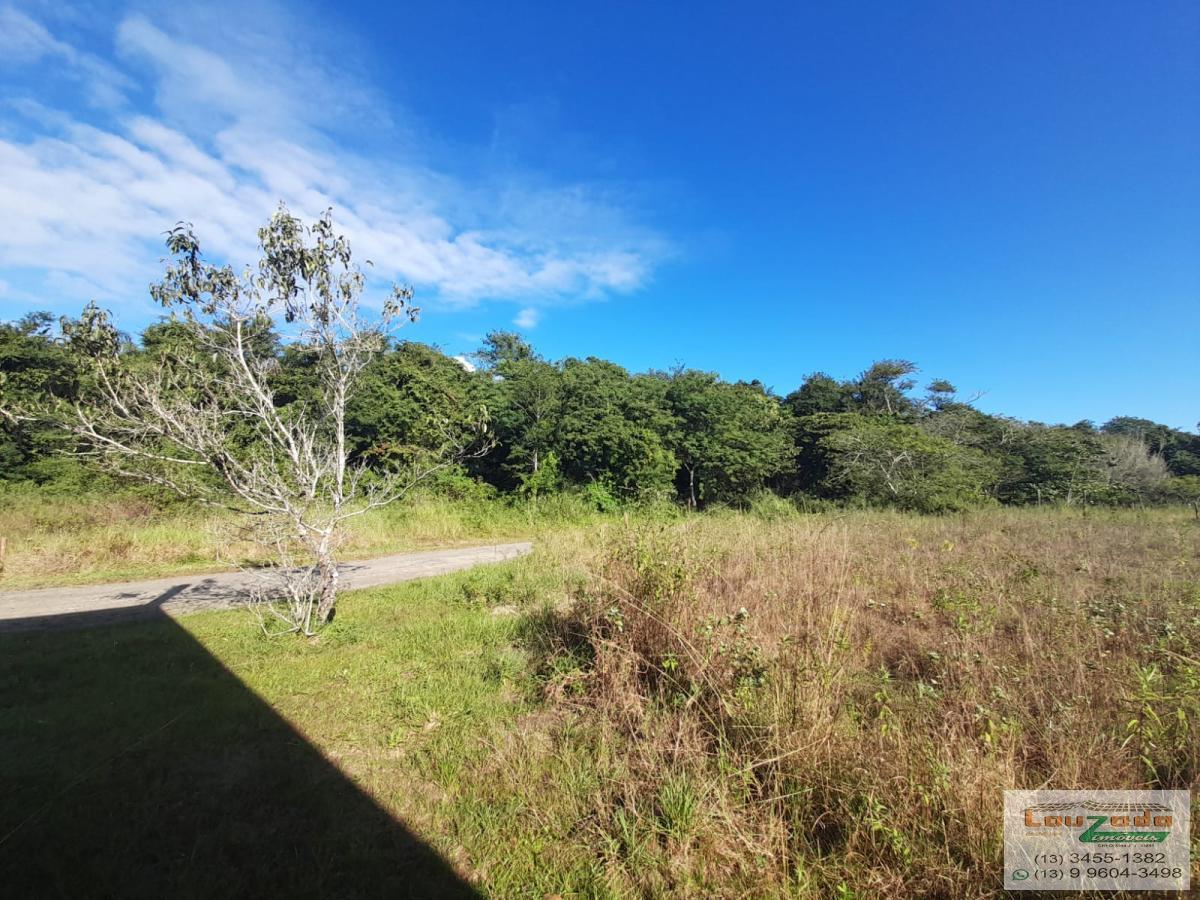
197	758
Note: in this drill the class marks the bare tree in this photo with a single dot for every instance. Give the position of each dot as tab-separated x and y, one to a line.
204	419
1130	466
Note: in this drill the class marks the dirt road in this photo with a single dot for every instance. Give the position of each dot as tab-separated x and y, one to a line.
68	607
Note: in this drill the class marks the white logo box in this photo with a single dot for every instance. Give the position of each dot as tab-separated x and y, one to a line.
1097	840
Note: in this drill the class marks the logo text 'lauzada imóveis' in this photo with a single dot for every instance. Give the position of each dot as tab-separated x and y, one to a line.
1117	823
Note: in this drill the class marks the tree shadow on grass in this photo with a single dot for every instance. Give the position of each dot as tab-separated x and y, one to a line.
134	764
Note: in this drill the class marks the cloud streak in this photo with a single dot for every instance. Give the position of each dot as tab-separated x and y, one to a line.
527	318
227	134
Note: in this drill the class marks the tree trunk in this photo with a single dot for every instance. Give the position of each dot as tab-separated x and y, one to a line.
692	487
328	574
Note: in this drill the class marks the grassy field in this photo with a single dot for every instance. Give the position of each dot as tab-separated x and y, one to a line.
727	705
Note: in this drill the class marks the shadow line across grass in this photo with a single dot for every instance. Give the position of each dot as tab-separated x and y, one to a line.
133	763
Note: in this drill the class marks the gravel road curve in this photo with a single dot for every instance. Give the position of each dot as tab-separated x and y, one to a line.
73	607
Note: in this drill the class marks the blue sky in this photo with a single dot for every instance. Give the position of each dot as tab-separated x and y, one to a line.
1006	193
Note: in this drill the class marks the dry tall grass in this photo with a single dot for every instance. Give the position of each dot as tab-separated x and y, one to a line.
833	707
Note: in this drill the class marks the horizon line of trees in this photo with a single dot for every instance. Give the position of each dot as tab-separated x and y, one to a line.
684	435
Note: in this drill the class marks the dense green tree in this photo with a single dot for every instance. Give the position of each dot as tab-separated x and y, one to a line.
880	460
884	386
410	403
500	347
1052	464
33	365
1182	489
939	395
544	479
611	429
528	396
730	439
818	394
1184	460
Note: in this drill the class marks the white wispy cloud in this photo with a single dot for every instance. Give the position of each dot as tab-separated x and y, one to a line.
527	318
235	126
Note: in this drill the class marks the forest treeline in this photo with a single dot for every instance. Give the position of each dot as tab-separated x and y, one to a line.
682	435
